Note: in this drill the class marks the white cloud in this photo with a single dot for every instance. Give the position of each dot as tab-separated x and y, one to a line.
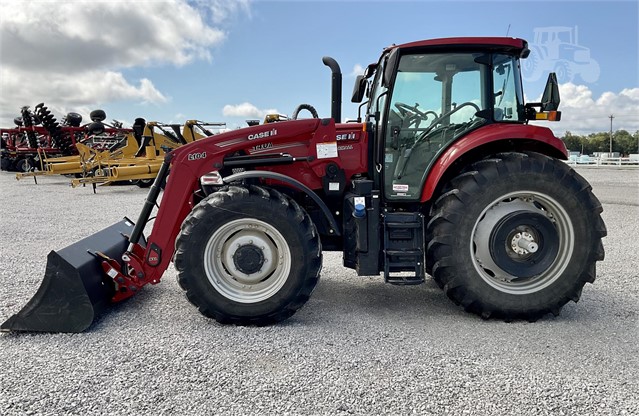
221	10
75	36
357	70
245	110
70	93
75	53
583	113
107	86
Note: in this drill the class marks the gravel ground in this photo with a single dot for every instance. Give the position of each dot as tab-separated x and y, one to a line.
357	347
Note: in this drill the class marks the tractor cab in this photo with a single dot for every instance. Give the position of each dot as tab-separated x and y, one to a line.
425	96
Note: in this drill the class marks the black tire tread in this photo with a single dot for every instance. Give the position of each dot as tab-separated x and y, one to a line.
441	229
293	211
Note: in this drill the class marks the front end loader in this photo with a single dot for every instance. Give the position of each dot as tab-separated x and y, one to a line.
444	177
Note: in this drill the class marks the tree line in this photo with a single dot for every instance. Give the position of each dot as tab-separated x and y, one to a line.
622	142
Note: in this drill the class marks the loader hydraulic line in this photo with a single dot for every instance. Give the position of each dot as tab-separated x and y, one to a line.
150	200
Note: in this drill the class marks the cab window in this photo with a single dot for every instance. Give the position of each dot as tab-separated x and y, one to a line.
436	98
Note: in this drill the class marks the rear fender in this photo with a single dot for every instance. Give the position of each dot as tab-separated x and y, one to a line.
542	138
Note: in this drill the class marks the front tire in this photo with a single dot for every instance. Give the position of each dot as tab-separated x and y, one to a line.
517	237
248	256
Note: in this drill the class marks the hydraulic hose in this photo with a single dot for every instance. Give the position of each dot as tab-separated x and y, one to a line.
150	201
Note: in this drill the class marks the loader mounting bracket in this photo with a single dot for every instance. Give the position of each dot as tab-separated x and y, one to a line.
127	283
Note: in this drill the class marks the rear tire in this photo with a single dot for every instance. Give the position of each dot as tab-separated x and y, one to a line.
248	256
517	237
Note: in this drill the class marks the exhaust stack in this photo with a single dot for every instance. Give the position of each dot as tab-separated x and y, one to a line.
336	88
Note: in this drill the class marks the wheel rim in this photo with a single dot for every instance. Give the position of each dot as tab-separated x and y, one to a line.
25	166
100	171
247	260
522	242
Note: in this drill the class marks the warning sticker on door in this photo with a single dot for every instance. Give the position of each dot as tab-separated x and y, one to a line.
400	188
326	150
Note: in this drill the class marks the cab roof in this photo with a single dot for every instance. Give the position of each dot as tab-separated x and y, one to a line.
513	45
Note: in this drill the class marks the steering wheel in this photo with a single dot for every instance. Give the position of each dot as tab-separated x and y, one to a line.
417	115
405	155
444	116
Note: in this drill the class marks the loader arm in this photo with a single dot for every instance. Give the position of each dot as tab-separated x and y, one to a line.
171	213
146	263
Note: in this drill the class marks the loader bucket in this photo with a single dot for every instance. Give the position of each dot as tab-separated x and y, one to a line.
75	289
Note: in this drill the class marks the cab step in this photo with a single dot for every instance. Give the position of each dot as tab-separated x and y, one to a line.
404	248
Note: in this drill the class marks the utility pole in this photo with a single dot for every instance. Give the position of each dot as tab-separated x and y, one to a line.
611	117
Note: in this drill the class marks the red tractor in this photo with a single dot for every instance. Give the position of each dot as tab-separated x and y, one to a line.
443	177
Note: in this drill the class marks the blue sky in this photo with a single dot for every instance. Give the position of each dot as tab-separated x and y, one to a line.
266	55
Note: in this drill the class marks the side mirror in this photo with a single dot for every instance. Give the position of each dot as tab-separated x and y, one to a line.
359	89
549	102
550	99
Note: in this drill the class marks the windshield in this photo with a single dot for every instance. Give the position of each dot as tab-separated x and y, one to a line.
436	99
